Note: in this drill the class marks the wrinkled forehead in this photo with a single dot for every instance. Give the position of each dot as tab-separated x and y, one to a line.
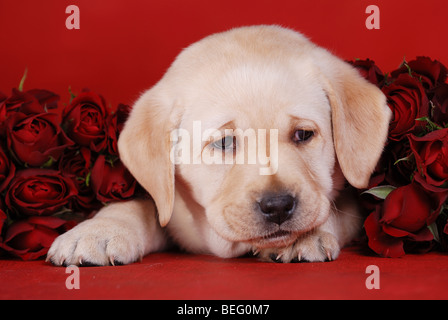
257	96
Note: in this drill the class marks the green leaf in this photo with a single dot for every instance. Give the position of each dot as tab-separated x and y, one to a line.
404	62
380	192
409	68
87	182
72	95
49	162
111	159
22	81
431	126
387	78
404	159
433	228
444	209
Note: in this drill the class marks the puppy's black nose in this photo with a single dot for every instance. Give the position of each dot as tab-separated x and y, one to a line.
277	208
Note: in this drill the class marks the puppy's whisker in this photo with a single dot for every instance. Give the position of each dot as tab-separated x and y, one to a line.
335	210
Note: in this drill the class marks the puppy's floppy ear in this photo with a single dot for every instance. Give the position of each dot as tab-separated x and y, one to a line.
144	147
360	118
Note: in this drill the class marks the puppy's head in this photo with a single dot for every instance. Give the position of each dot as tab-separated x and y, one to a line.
258	124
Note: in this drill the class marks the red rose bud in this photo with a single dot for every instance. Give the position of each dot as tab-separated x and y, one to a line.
3	97
408	101
17	99
369	70
431	73
7	170
31	238
115	125
404	216
112	182
3	218
85	121
36	139
77	165
42	100
39	192
440	102
47	99
431	156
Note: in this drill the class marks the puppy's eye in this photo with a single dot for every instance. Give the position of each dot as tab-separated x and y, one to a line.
302	135
226	143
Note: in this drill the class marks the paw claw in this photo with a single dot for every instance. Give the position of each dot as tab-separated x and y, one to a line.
275	258
328	255
313	247
255	251
85	246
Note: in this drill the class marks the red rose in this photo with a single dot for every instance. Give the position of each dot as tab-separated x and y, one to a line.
85	121
77	165
35	138
431	73
39	192
404	217
440	101
7	169
431	156
3	218
408	101
44	99
115	125
395	167
112	182
31	238
369	70
15	101
2	112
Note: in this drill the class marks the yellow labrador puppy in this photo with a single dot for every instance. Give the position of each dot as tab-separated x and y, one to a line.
244	145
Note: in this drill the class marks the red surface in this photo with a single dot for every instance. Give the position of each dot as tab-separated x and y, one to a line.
183	276
124	47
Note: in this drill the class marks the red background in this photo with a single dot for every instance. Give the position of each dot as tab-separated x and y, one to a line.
124	47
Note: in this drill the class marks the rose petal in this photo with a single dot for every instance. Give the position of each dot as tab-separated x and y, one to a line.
379	241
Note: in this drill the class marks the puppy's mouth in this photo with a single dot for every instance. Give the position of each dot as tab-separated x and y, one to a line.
277	234
274	239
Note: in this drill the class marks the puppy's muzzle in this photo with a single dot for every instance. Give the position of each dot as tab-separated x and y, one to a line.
277	208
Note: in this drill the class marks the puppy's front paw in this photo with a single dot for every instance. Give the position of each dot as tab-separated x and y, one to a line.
96	242
317	246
